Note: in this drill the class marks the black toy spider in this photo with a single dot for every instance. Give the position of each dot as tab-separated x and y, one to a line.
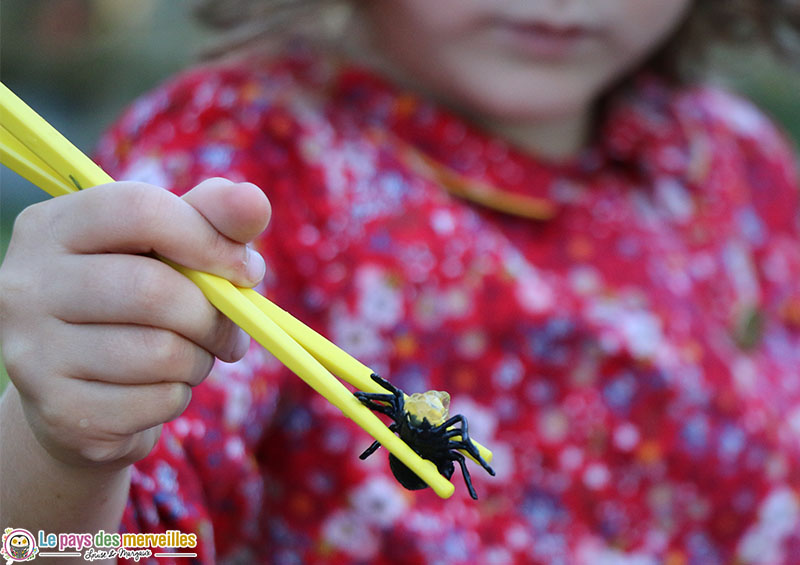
422	422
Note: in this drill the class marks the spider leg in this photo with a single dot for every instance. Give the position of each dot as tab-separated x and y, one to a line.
387	385
456	456
383	403
391	405
458	418
465	443
474	453
370	450
375	445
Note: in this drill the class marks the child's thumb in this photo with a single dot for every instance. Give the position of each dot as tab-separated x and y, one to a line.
239	211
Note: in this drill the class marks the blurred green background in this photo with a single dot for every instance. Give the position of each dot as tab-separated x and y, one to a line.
79	62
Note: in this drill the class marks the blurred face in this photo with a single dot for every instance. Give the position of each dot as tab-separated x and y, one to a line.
516	64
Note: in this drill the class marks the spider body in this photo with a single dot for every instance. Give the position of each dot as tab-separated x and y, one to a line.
422	422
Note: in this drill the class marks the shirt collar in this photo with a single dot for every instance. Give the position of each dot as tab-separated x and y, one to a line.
464	158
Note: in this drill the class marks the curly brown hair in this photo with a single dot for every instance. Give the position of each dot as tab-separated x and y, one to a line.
773	25
770	24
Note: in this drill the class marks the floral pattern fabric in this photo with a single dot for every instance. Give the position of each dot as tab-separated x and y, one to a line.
633	362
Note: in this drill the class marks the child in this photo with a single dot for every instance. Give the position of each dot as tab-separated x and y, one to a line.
609	291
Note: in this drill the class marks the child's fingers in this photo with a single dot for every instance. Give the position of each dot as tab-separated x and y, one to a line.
239	211
133	289
126	409
129	217
76	427
127	354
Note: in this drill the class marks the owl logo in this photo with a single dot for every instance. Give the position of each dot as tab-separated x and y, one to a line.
18	545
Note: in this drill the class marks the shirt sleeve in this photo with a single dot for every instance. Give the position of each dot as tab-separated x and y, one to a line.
205	476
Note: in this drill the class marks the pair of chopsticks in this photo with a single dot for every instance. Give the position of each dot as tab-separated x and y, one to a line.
37	151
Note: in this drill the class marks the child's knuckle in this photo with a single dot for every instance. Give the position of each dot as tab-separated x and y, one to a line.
144	206
221	335
21	354
174	399
217	245
16	352
100	452
199	369
166	350
30	222
148	287
12	291
138	446
54	413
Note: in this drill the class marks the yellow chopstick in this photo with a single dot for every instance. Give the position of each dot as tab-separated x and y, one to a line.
44	141
19	159
71	164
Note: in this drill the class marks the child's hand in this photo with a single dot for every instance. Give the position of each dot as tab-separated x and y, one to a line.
103	343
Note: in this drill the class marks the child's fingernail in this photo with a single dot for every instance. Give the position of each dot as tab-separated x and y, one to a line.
256	267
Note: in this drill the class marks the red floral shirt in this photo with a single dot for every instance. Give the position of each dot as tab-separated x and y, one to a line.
633	361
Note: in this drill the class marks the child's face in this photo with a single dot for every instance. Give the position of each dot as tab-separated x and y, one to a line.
519	60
